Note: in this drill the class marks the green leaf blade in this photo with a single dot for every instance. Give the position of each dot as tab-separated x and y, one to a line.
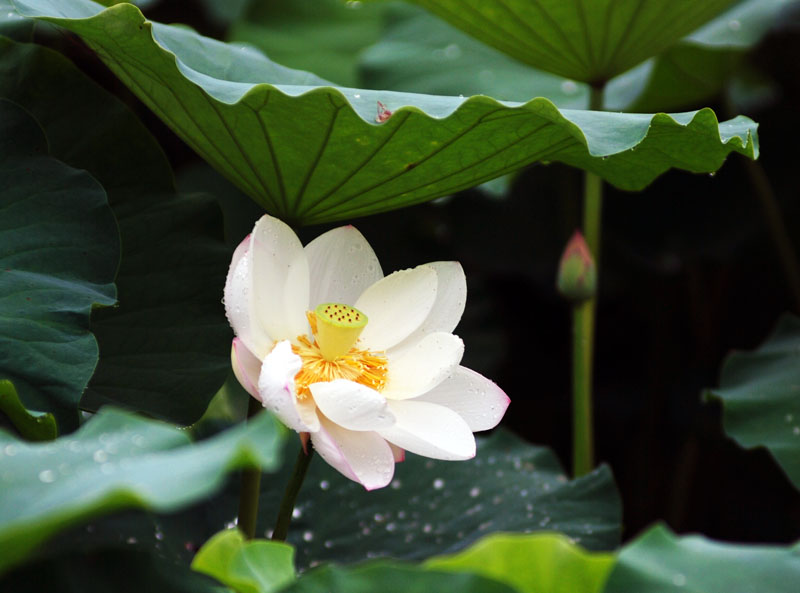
760	393
310	153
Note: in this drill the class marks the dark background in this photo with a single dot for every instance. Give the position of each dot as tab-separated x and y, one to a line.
689	272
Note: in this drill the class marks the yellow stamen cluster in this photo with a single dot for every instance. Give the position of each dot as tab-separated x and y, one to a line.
333	355
361	366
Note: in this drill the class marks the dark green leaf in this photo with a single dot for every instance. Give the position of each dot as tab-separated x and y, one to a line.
59	250
321	36
31	426
312	153
246	566
382	576
587	41
660	562
165	349
436	507
536	563
103	571
760	392
116	461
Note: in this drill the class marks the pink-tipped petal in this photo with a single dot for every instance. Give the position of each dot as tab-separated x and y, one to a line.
280	279
351	405
396	306
342	266
239	306
364	457
399	454
277	390
479	401
430	430
246	367
422	366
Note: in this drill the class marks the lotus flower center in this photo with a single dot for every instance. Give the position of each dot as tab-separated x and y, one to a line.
333	353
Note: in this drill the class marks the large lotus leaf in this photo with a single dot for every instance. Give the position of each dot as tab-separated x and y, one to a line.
390	577
587	41
31	426
312	153
436	507
255	566
322	36
116	460
420	52
760	392
165	349
59	250
703	63
114	569
660	562
535	563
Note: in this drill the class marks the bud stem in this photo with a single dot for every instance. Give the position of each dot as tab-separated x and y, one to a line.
583	323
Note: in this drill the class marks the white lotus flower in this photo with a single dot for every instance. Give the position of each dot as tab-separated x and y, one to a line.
366	364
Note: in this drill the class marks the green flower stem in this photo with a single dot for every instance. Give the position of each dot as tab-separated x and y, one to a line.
583	323
290	494
250	488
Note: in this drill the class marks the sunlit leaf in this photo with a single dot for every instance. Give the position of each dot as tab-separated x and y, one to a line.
536	563
660	562
165	349
246	566
760	392
59	250
312	153
116	461
587	41
31	426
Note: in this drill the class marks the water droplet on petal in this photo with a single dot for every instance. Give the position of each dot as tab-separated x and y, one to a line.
47	476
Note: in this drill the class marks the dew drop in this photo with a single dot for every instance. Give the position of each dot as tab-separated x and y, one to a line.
569	87
734	25
47	476
10	450
356	96
100	456
679	580
452	51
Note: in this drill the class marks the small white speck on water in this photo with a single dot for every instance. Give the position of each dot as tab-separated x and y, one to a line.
297	513
796	431
789	417
438	484
131	540
396	484
47	476
474	492
328	544
308	536
427	528
356	96
324	485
